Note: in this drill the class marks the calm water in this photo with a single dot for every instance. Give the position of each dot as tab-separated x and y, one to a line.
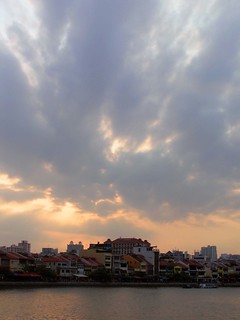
120	304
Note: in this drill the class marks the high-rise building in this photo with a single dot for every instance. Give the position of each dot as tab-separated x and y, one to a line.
24	246
209	253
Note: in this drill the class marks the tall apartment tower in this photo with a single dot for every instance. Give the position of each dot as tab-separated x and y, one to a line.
24	246
209	252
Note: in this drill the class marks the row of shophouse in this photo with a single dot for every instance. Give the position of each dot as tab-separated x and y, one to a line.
124	259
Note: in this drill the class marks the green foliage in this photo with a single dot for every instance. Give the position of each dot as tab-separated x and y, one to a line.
100	275
46	273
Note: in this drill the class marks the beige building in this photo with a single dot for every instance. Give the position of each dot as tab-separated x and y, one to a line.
123	246
102	253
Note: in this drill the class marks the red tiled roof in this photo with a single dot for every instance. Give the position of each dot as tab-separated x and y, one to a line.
15	256
192	263
128	240
69	256
139	258
90	261
54	259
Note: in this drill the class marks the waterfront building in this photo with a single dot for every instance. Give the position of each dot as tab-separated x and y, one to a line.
124	246
138	265
12	261
61	265
151	254
170	269
194	269
89	265
102	253
119	265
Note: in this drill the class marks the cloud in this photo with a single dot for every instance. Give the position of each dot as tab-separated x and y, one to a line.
139	100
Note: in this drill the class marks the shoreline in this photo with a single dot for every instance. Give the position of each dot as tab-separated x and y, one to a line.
62	284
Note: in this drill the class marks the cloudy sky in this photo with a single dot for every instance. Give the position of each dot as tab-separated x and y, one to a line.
120	118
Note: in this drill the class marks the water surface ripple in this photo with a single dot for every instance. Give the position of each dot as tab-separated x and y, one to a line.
120	304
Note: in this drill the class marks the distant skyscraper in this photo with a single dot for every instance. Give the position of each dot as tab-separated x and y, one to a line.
24	246
49	251
209	252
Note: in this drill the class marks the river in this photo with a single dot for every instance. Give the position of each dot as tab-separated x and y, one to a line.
89	303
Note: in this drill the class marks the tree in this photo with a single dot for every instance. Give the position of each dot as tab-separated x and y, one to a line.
100	275
46	273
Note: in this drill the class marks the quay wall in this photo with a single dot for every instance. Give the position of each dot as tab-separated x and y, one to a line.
33	284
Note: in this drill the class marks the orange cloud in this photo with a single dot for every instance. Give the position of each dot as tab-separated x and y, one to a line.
61	222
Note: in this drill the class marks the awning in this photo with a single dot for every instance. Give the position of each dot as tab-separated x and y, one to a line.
80	275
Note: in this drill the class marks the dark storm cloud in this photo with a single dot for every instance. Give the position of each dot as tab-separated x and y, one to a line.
124	61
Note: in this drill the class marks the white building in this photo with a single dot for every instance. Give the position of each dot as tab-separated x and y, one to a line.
151	254
75	248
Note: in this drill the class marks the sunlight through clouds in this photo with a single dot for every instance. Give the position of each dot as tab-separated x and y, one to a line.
8	182
19	23
120	117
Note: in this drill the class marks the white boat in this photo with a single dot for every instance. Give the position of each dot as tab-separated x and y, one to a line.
208	286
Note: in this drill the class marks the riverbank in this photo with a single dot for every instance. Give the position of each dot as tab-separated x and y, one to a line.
58	284
33	284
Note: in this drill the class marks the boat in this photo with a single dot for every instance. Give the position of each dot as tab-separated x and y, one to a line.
208	285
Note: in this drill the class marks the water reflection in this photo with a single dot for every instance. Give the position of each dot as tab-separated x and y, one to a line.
120	303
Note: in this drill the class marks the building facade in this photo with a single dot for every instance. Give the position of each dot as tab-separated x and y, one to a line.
75	248
209	253
124	246
150	254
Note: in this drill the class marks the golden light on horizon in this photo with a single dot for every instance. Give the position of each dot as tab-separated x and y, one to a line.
63	219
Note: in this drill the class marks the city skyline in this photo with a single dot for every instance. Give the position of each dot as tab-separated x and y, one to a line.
118	119
26	246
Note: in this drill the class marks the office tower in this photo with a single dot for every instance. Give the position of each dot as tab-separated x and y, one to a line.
209	252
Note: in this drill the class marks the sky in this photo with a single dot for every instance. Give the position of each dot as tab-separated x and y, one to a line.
120	118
